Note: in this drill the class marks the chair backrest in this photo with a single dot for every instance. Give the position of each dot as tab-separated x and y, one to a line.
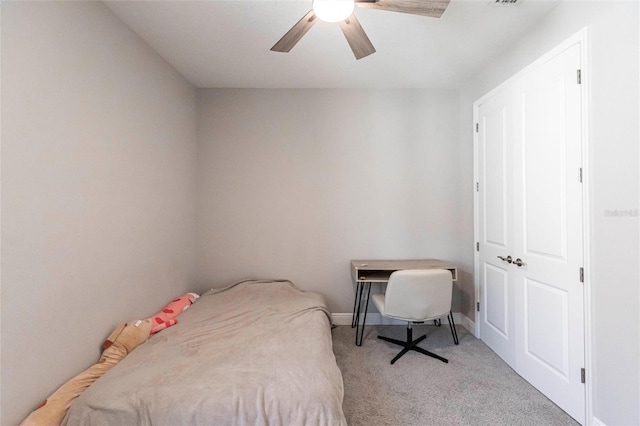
418	295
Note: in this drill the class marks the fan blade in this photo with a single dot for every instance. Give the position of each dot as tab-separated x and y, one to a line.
296	32
356	37
432	8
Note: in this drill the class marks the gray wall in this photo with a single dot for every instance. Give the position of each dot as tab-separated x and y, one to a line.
295	183
98	186
613	179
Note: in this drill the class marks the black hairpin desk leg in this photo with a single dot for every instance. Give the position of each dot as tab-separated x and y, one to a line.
356	304
452	326
360	327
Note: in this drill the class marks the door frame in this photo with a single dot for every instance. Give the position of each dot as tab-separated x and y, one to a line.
582	38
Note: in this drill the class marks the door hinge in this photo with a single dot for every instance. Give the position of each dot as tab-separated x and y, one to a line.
477	246
477	186
580	174
583	376
478	306
581	275
477	127
579	76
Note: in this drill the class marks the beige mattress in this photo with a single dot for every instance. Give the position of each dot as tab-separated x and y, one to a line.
254	353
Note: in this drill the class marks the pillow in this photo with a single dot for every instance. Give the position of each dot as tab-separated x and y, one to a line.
167	316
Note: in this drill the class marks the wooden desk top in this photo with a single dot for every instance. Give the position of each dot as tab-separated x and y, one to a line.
380	270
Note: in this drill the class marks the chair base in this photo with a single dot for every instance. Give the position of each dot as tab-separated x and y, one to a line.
411	345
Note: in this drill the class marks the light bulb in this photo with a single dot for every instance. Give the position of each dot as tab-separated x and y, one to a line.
333	10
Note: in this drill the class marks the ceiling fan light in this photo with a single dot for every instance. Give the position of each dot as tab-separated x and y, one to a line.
333	10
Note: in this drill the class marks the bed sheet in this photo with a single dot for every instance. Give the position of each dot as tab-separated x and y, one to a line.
254	353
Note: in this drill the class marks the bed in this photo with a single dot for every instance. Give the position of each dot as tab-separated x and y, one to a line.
257	352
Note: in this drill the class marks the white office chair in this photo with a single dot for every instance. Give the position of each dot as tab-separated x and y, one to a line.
417	296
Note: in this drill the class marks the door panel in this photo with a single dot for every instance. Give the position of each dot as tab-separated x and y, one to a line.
546	326
494	125
497	296
544	168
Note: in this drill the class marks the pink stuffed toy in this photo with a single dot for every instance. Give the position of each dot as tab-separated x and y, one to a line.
167	316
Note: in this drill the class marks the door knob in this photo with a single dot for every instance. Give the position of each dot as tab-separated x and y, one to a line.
505	259
518	262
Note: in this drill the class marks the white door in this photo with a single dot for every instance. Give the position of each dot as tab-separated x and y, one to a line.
534	302
494	153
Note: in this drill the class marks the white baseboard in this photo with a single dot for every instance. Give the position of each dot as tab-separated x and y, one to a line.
341	319
468	324
597	422
374	318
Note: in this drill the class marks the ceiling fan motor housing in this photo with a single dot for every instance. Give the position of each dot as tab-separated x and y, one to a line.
333	10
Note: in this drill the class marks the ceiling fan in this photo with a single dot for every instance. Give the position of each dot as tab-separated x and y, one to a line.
342	11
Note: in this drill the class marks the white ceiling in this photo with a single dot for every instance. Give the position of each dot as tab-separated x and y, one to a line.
216	43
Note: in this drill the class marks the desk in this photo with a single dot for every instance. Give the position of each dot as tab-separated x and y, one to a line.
365	272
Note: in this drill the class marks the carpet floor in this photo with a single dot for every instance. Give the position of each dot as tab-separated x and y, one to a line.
475	388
